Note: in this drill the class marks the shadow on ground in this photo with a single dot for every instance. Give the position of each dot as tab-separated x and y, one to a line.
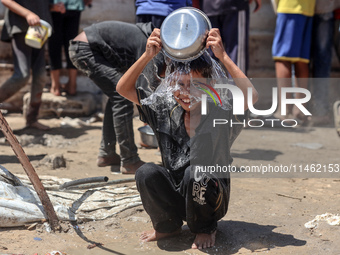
66	132
4	159
233	236
257	154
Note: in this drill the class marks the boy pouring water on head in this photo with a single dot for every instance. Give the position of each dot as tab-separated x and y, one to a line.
178	191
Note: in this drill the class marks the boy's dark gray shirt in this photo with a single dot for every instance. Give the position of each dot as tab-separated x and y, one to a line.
209	147
121	43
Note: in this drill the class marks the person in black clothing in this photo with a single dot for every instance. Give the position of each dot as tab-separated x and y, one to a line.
104	51
28	62
231	17
179	190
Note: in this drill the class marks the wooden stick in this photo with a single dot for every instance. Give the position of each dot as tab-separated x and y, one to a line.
32	175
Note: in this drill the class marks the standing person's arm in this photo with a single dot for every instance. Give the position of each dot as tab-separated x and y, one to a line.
126	84
32	18
214	41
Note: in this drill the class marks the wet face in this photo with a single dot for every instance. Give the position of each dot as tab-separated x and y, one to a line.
187	94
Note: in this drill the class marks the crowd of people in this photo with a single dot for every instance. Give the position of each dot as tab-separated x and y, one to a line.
174	191
302	41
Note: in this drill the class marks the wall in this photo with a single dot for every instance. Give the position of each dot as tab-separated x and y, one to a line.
262	26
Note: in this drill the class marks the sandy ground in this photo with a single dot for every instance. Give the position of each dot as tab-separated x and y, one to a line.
266	215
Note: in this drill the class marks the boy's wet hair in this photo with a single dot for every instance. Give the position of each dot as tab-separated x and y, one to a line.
202	65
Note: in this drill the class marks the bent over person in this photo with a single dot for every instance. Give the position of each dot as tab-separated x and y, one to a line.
178	190
104	51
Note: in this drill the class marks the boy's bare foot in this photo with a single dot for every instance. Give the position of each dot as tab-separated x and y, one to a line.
153	235
203	241
39	126
71	89
55	91
298	114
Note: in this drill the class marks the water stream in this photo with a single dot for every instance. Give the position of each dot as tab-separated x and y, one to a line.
171	83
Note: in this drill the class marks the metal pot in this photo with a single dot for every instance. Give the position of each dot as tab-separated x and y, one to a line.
148	136
184	32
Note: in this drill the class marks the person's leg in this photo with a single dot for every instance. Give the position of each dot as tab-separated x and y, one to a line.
216	23
322	38
70	31
283	71
54	51
38	83
207	199
336	35
321	56
161	200
155	19
71	85
122	110
301	71
336	113
228	25
82	57
55	82
22	65
143	18
234	29
107	155
302	74
100	71
302	43
242	39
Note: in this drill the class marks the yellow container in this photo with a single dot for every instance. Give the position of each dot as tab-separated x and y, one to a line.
36	36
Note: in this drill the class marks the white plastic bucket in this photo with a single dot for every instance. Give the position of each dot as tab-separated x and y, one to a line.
36	36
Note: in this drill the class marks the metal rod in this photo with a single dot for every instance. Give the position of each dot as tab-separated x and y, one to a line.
83	181
32	175
96	185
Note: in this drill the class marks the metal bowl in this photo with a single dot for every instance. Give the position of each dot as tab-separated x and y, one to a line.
148	137
184	32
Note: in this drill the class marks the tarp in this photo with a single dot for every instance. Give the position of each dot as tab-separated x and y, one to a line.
20	204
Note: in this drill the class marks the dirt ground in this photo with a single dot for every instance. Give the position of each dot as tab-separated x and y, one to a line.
266	213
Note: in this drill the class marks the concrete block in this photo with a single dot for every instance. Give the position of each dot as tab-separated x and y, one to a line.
83	104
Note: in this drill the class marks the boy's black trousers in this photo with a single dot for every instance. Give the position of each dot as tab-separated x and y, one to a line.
200	199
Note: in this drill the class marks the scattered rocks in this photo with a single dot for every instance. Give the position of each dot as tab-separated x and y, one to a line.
57	141
331	219
53	161
3	247
75	123
112	224
26	140
311	146
138	219
83	104
32	226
